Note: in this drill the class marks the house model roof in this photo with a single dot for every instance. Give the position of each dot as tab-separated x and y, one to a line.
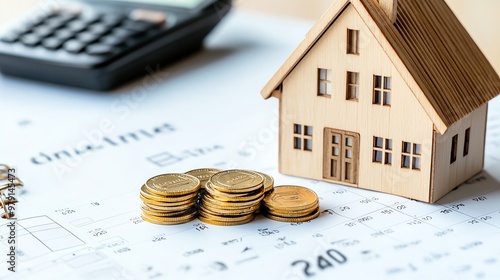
428	46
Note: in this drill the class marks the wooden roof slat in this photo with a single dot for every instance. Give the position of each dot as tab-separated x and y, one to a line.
432	45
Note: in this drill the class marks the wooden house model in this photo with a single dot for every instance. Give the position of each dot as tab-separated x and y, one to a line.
385	95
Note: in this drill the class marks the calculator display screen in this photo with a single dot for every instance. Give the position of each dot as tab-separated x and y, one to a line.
187	4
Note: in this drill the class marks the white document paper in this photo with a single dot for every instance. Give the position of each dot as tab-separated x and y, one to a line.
83	157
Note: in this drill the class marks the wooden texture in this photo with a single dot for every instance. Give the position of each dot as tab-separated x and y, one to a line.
300	104
449	175
390	8
340	158
440	83
431	44
389	46
311	37
459	78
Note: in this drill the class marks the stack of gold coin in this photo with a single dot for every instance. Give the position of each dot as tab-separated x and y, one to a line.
203	174
268	182
232	197
169	199
291	204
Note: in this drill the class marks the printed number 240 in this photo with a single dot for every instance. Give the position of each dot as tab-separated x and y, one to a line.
323	261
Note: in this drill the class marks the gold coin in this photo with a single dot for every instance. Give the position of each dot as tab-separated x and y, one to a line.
230	212
227	212
173	184
166	208
314	215
168	220
237	181
166	203
268	182
210	199
219	223
221	218
304	210
162	198
291	214
290	198
178	214
167	213
250	196
203	174
253	198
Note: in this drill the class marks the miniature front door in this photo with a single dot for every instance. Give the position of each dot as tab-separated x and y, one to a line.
340	155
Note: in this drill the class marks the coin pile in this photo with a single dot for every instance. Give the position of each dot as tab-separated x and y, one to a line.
291	204
268	182
232	197
169	199
225	198
203	174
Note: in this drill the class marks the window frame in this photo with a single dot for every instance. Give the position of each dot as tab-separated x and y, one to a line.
352	41
302	137
384	150
382	91
413	153
454	149
327	82
466	143
352	83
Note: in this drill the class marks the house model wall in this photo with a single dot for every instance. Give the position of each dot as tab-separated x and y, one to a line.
385	95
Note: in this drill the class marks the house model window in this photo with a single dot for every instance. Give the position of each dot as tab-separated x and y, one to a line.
302	137
382	150
324	82
466	141
411	156
454	147
352	41
382	90
352	86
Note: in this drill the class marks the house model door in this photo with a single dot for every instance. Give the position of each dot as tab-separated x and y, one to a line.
340	155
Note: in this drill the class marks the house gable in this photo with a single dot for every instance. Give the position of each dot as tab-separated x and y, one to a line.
447	85
310	39
302	104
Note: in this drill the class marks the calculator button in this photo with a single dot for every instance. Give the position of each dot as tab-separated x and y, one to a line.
9	38
54	24
87	37
28	25
74	46
112	20
90	18
59	21
23	29
113	41
99	29
126	33
99	50
37	19
77	26
31	40
66	17
140	26
63	34
43	31
52	43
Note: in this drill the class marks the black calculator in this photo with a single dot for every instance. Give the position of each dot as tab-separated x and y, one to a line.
100	44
